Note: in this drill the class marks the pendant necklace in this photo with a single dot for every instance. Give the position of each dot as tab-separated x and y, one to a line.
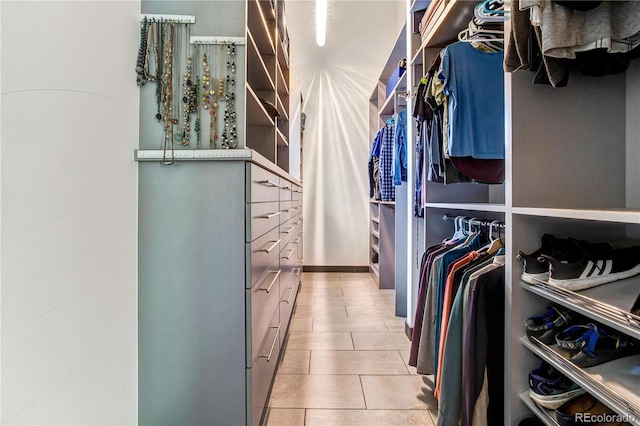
177	73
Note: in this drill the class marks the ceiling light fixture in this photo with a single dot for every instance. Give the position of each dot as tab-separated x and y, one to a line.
321	22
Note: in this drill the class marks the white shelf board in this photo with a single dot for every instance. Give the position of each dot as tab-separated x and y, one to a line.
481	207
375	234
388	106
614	383
548	417
375	268
601	215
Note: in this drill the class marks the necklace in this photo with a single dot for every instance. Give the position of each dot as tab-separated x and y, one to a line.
140	64
197	96
167	99
229	135
190	97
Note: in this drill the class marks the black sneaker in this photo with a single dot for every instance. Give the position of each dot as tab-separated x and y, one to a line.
536	268
545	327
589	265
549	388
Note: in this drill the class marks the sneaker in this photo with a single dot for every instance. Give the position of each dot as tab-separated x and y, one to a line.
592	345
590	265
545	327
549	388
535	267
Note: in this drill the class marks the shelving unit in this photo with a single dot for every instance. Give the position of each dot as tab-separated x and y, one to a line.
562	179
220	234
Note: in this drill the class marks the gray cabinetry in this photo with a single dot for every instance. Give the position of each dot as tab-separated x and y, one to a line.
219	272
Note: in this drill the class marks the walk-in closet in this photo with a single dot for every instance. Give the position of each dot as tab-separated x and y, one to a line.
320	212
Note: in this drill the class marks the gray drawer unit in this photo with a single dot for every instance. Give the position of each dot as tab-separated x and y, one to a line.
262	301
236	264
261	254
262	185
261	218
260	375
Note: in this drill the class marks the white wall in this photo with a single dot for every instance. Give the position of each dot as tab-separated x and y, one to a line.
68	212
337	81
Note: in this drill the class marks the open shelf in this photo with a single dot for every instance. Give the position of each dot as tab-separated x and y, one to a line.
261	27
608	303
388	108
258	75
456	14
256	113
613	383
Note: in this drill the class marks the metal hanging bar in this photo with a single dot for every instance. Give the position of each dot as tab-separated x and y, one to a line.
181	19
475	221
217	40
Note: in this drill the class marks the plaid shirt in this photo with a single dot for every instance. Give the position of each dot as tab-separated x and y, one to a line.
387	190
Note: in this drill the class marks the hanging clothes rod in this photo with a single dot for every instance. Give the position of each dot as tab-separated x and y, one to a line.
216	40
182	19
475	221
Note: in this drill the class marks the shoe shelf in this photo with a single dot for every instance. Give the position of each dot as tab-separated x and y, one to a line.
608	303
548	417
601	215
614	383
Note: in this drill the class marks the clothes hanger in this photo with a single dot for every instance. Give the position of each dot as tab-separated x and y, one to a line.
497	243
471	234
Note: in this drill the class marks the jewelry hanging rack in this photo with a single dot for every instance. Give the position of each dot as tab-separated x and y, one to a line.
178	19
217	40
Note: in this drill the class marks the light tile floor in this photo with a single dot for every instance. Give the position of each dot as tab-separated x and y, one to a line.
345	360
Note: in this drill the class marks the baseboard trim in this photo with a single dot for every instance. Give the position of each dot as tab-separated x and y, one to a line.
408	330
340	268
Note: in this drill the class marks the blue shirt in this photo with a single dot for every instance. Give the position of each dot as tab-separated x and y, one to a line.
474	82
400	153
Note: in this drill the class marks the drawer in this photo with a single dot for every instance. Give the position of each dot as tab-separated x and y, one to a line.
262	185
285	190
261	218
287	231
286	210
287	302
260	375
296	193
262	302
261	254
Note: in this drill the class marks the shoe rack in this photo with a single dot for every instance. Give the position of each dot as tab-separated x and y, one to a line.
572	170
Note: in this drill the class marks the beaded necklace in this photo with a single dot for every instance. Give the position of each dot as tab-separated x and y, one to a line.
229	135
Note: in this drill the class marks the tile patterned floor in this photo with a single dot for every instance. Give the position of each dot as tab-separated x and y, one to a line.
345	360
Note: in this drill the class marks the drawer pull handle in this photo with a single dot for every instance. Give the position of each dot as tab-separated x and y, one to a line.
269	216
288	230
289	255
267	250
297	271
290	294
268	289
269	183
273	344
295	241
289	210
287	188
